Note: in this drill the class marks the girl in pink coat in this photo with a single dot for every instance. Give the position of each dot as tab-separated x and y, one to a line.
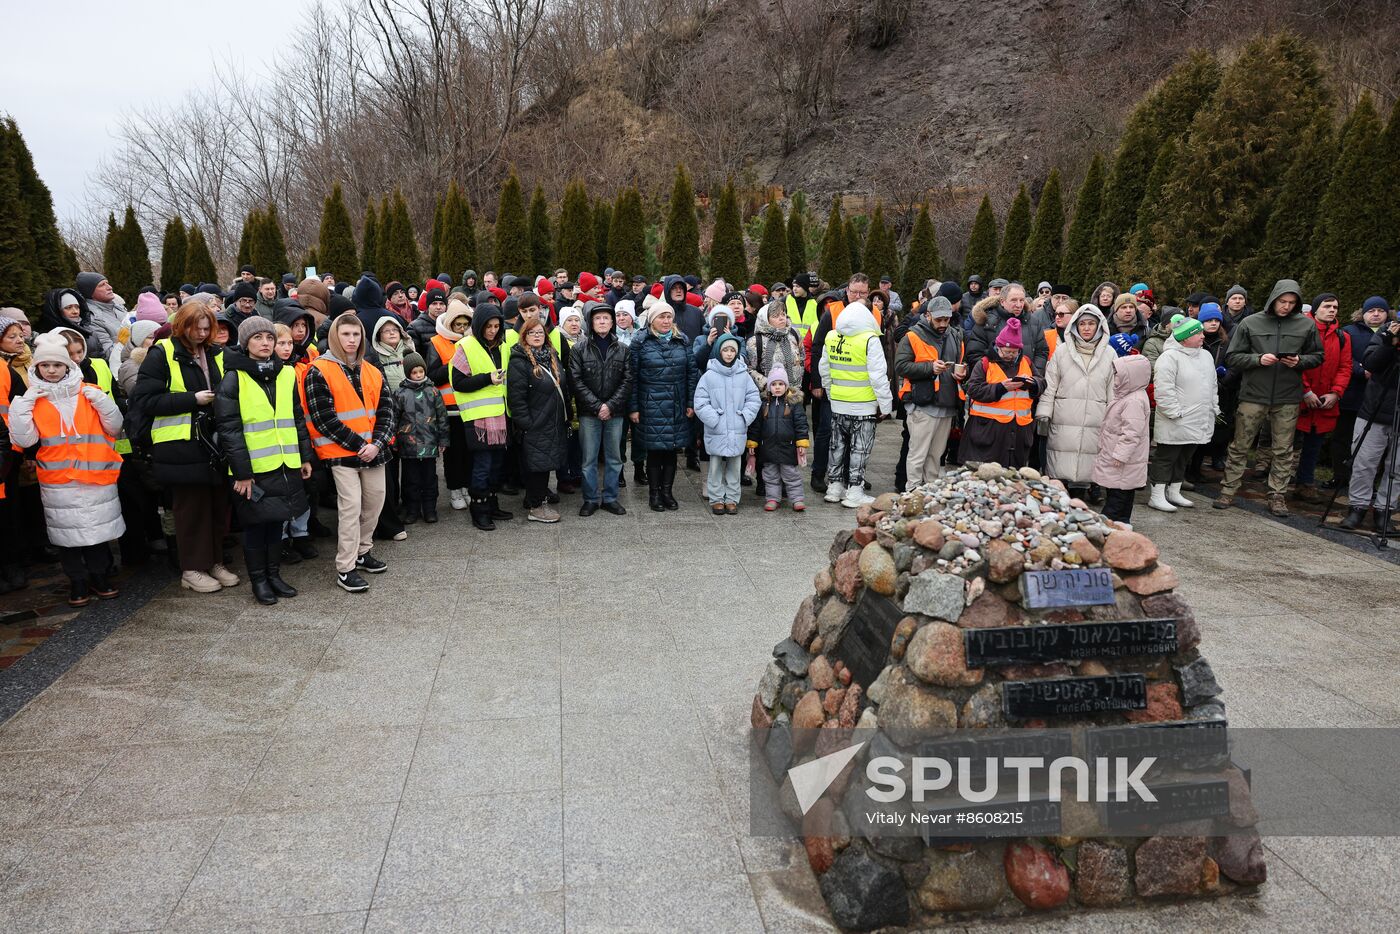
1124	437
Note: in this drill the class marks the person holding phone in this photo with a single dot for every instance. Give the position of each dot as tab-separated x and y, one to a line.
1272	350
173	399
262	432
479	384
1001	389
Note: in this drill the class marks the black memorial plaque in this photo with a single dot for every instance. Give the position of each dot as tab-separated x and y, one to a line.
1067	642
1176	802
865	645
1070	587
1176	744
1022	700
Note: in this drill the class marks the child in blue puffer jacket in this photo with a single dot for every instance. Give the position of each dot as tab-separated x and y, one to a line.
726	402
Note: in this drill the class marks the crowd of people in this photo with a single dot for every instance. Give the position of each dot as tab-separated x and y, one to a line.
254	405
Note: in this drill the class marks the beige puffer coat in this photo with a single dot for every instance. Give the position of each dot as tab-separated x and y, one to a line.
1075	399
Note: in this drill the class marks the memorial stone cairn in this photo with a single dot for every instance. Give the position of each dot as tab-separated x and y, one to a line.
981	604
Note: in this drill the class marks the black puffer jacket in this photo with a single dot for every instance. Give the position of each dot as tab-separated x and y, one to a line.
539	411
52	318
1383	363
187	463
598	377
283	496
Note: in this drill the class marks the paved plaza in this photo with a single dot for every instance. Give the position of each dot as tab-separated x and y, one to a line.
545	729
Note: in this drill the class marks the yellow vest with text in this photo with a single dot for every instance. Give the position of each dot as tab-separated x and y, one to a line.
846	356
269	433
103	372
490	400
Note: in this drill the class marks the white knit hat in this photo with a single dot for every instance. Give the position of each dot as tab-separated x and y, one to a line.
51	348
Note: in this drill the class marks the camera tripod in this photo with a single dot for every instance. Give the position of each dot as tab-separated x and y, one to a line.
1381	537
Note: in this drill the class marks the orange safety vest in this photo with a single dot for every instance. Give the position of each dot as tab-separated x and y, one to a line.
1052	340
1015	404
355	411
445	349
5	408
90	456
836	306
302	366
927	353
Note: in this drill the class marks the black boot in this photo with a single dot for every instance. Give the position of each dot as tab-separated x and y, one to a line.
172	554
692	461
430	512
411	511
654	499
1380	520
497	512
303	547
639	472
481	512
668	480
274	578
256	559
1353	520
288	554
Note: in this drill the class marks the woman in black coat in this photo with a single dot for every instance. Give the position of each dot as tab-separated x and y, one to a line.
271	493
186	460
537	395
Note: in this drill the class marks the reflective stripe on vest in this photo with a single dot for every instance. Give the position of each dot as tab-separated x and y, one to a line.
490	400
179	427
103	372
927	353
803	320
846	359
444	348
269	435
1015	404
354	410
89	456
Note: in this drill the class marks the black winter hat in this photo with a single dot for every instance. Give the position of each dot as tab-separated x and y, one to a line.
393	287
950	291
189	288
434	295
804	279
243	290
368	294
692	281
337	305
247	268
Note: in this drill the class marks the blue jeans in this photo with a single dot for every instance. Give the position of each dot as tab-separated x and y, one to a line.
486	469
1310	445
593	433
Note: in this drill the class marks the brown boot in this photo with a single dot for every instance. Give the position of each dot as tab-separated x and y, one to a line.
1277	506
1224	501
1307	493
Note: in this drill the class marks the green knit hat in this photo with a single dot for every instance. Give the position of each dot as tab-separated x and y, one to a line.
1186	329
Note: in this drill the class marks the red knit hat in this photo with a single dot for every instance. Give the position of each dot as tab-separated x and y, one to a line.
543	286
758	290
587	282
498	292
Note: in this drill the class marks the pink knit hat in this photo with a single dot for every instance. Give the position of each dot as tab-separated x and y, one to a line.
778	374
716	291
1010	335
150	308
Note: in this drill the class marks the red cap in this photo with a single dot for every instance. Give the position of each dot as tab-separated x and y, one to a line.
758	289
498	292
692	299
587	282
543	287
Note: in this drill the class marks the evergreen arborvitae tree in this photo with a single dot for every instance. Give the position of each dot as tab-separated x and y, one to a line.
1165	112
369	237
457	249
174	245
853	244
1346	245
111	245
133	268
1079	242
383	254
244	256
602	223
728	260
1388	224
1216	204
881	257
541	240
680	250
981	257
773	261
1288	235
797	236
1135	265
576	247
18	285
485	244
310	261
199	265
435	245
49	266
1044	249
335	248
512	253
627	234
269	254
835	264
922	261
398	246
1014	236
70	264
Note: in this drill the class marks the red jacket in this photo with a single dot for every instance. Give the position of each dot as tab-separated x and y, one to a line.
1333	376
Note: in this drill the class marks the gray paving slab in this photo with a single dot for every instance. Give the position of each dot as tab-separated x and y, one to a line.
574	757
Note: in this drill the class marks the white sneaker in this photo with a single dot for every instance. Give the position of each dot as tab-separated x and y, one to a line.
401	536
834	492
459	499
856	497
224	576
1158	499
199	582
1175	498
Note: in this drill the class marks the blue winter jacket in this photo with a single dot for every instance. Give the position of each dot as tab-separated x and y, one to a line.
726	402
663	384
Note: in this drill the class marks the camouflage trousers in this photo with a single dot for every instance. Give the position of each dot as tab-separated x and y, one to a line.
1250	418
